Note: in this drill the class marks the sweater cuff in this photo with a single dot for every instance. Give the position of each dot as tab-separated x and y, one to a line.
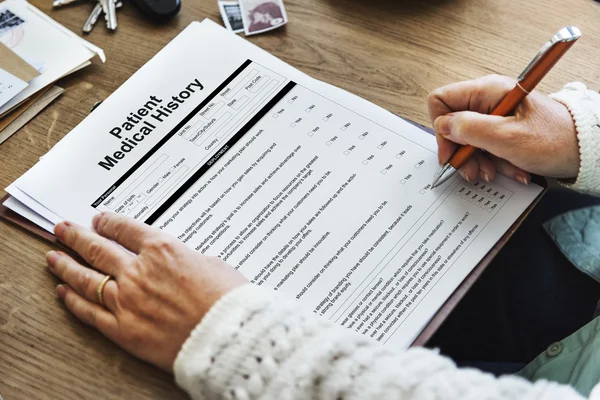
584	106
215	332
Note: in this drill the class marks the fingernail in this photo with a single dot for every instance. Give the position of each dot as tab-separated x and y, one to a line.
52	257
523	179
467	178
486	177
60	228
61	291
442	124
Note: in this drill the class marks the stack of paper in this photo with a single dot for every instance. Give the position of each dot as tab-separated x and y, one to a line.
303	187
35	51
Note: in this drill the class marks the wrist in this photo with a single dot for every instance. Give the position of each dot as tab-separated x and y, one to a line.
584	108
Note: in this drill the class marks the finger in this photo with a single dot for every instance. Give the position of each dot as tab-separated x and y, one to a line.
128	232
470	170
488	132
446	148
487	169
480	95
508	169
96	250
88	313
83	280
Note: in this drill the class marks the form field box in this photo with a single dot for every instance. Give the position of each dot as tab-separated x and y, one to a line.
365	162
422	191
417	166
403	181
398	155
240	103
346	152
242	82
293	124
258	86
308	110
276	115
383	171
328	143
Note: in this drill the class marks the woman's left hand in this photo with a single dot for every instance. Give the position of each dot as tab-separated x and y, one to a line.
158	293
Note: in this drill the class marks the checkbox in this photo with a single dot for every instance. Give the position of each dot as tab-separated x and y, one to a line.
365	162
326	119
293	124
398	155
403	181
361	137
472	199
308	110
380	147
417	166
422	191
310	133
291	100
328	143
346	152
171	169
343	128
161	179
276	115
383	171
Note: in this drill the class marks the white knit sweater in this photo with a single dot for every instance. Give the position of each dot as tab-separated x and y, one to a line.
253	344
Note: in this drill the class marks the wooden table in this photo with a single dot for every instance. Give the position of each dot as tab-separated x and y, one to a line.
390	52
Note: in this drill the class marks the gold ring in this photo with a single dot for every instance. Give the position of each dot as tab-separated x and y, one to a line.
101	289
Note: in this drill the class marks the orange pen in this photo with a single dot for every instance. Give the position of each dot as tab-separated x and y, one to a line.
541	64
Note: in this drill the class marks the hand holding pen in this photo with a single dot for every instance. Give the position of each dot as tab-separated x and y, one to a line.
539	136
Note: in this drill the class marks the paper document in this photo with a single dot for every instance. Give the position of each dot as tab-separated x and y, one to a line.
42	42
10	86
303	187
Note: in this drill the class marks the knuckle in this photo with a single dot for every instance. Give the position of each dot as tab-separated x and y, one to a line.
460	126
85	282
90	315
159	244
101	223
95	253
120	230
434	95
498	79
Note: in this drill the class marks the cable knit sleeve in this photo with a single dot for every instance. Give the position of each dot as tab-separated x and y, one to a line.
584	106
253	344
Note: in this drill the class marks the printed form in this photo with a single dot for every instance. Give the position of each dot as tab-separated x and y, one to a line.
305	188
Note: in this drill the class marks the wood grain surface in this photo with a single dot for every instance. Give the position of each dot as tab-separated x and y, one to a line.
391	52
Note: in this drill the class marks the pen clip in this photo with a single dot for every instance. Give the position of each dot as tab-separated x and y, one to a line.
567	34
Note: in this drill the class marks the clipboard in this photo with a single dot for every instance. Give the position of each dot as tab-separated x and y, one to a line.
436	321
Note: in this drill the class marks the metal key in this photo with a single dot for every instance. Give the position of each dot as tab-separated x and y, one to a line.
61	3
93	18
110	13
91	21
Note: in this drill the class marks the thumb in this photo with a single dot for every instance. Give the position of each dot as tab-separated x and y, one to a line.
488	132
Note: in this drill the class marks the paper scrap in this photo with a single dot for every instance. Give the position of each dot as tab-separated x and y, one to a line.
10	86
15	65
24	113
